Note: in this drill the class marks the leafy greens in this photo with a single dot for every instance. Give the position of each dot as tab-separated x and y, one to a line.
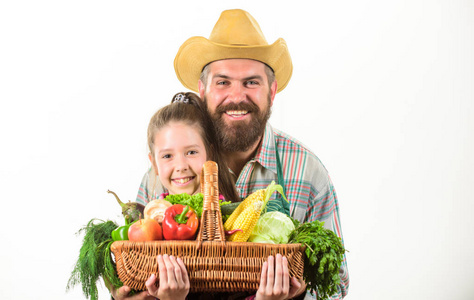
195	201
323	259
95	259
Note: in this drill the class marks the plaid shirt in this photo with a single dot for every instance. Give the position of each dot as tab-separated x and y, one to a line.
306	181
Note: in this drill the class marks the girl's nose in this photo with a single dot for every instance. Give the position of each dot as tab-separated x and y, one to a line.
181	164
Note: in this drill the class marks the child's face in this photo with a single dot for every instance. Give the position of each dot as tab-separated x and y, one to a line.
179	157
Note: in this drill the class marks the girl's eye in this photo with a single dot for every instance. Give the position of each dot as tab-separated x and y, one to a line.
166	156
192	152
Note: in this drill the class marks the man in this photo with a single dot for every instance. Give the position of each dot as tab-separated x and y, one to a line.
237	73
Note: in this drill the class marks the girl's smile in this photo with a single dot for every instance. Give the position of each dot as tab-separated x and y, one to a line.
182	181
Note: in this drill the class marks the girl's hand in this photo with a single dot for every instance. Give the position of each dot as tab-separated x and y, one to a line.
275	280
174	280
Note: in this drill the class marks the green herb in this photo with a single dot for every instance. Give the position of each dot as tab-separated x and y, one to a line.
95	259
324	255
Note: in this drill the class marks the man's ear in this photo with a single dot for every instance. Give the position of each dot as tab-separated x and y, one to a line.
201	89
153	163
273	90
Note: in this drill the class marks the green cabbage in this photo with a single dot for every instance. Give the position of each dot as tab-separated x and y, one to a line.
273	228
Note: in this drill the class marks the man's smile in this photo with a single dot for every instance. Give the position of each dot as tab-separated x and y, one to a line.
236	113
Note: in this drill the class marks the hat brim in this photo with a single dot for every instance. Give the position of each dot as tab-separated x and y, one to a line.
198	51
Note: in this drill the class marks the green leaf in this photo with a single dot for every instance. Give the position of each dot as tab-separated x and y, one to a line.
323	257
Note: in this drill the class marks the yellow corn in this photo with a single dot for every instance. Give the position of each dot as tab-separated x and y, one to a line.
246	215
252	198
246	222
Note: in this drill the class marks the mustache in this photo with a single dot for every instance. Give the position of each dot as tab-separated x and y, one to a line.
248	106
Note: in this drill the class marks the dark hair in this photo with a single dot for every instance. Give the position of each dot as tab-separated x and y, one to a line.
190	109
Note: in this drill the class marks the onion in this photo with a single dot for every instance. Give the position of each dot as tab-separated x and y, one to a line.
156	209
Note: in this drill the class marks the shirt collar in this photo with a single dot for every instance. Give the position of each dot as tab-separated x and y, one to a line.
266	154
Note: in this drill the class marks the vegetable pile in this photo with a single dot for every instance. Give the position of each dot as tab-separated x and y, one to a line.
177	217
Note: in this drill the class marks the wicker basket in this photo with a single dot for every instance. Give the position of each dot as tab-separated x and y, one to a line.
213	264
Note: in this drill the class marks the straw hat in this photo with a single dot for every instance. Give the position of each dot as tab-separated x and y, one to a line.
235	35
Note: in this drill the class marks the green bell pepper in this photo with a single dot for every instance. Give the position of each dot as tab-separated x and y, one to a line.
121	233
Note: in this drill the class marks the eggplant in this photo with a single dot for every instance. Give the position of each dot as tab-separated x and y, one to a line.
133	210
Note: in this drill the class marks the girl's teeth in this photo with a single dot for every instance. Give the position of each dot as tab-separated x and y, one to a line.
182	180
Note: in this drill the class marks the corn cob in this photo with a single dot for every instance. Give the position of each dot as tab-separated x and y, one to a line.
246	220
247	213
252	198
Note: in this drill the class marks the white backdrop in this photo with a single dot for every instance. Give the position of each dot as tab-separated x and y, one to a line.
382	92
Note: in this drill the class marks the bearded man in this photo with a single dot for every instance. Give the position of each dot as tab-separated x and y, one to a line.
238	74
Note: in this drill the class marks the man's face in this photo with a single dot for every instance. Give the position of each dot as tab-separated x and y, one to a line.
239	100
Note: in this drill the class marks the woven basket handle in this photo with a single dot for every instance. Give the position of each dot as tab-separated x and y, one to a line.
211	228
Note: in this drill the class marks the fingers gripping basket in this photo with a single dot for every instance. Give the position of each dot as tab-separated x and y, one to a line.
213	264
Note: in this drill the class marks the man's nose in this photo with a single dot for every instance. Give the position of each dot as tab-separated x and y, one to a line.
237	93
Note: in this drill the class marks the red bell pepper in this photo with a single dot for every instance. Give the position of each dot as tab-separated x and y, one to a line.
180	222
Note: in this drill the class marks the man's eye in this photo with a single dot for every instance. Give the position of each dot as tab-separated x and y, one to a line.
252	82
221	82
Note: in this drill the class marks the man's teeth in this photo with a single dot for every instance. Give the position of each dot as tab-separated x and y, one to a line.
182	180
237	112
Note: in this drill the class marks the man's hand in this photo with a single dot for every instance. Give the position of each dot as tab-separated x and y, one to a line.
275	280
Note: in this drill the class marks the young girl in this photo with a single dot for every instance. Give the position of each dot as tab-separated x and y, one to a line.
181	137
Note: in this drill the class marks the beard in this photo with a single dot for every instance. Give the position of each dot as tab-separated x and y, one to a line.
240	135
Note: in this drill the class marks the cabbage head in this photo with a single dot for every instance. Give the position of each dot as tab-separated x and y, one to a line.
273	228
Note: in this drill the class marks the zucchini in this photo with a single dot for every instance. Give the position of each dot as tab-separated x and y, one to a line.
228	209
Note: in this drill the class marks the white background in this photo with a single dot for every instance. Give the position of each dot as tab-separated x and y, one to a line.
382	92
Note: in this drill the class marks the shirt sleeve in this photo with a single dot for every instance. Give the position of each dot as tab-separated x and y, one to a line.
325	208
143	195
150	188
